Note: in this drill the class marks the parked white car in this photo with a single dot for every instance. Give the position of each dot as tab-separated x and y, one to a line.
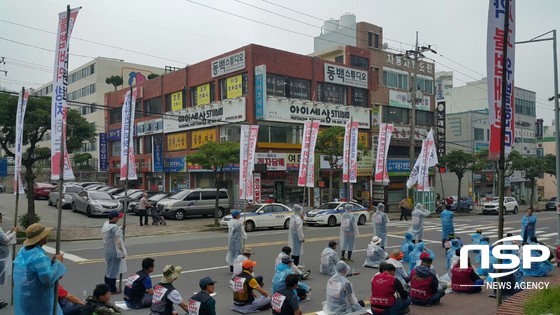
265	215
330	214
68	192
510	205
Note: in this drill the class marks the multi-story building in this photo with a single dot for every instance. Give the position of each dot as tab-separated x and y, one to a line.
86	90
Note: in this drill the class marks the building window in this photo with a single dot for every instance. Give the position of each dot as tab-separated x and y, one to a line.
359	97
425	85
153	106
395	115
115	115
281	86
395	80
359	62
424	118
376	38
370	39
229	88
478	134
139	111
331	93
231	133
147	144
280	133
339	59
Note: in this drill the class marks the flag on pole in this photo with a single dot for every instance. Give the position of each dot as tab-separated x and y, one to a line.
20	118
495	67
127	137
307	161
383	142
253	134
346	152
247	147
59	98
350	153
428	158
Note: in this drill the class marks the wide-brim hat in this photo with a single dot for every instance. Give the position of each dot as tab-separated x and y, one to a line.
376	240
35	232
397	254
170	273
247	251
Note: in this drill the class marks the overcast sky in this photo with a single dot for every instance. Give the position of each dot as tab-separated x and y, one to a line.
181	32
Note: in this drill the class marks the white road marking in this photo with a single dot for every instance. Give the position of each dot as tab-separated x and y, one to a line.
67	256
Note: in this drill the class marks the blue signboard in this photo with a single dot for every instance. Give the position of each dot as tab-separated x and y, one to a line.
103	153
173	165
260	91
398	166
115	134
3	168
157	152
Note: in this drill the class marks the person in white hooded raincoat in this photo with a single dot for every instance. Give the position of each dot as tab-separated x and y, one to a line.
236	236
380	219
375	254
417	228
340	294
348	232
295	235
115	252
329	259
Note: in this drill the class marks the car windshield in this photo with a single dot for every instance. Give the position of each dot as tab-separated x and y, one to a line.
252	208
135	194
99	195
73	189
157	197
328	206
180	195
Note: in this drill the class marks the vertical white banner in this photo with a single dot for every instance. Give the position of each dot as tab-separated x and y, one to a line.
59	96
310	179
428	159
253	135
495	67
20	119
304	156
243	149
127	137
384	140
346	152
353	155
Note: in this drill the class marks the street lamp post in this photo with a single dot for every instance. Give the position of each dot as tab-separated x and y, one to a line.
556	113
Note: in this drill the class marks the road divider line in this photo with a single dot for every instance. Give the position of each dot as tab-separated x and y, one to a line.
71	257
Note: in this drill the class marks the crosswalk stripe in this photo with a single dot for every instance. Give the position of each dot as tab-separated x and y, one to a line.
549	234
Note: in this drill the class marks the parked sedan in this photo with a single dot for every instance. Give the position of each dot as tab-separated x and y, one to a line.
153	198
267	215
95	203
42	190
550	204
330	214
68	192
510	205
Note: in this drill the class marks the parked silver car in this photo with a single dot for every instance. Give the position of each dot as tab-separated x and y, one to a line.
197	201
95	203
68	192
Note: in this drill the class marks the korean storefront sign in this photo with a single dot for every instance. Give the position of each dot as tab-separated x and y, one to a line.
234	86
176	142
402	99
203	94
228	64
200	137
157	153
149	127
402	61
177	101
440	128
173	165
207	116
346	76
260	91
103	152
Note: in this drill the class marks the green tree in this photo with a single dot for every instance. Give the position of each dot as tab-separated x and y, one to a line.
152	76
459	162
37	122
115	80
550	164
215	156
82	159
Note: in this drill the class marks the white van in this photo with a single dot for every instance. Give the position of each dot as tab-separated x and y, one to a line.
198	201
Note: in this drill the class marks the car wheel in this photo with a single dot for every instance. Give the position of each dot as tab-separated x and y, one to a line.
179	215
249	226
515	210
287	224
362	220
331	221
221	212
88	211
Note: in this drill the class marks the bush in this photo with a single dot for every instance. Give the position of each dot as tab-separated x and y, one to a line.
545	302
28	219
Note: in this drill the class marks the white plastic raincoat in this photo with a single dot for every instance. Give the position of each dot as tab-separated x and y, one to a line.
329	259
375	256
418	215
340	294
236	235
348	229
115	252
295	236
379	220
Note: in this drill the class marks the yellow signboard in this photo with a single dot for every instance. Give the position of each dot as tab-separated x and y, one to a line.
363	138
234	86
177	101
177	141
200	137
203	94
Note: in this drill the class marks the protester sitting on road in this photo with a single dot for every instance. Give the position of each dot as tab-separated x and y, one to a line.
246	254
424	284
348	231
282	271
69	303
165	294
465	280
285	301
286	252
244	284
534	240
400	274
384	285
415	254
100	302
236	235
380	219
407	247
375	254
138	289
340	294
455	245
446	225
202	302
475	237
6	239
329	259
540	268
484	240
417	228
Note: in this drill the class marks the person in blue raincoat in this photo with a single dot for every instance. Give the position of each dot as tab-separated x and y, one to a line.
348	232
483	241
475	237
538	269
417	228
279	280
35	274
415	254
236	236
380	219
455	244
295	234
446	225
407	247
528	223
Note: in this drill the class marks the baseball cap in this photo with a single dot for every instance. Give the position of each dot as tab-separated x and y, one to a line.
205	282
248	264
114	214
235	213
425	256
